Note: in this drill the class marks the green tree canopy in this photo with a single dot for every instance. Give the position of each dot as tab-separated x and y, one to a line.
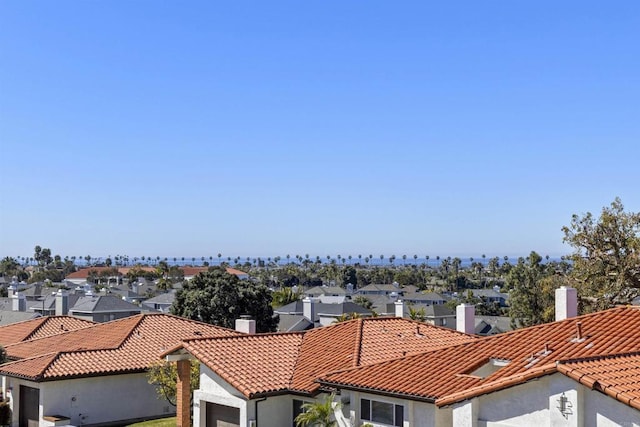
285	296
219	298
606	258
533	286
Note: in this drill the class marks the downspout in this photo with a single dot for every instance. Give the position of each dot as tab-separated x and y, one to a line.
256	408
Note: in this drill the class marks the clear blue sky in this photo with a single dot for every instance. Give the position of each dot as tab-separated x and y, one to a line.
261	128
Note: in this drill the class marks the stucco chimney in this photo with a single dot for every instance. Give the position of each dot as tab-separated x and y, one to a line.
399	308
62	303
246	325
309	309
18	302
566	303
465	318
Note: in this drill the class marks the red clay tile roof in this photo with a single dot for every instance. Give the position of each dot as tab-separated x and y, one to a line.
39	328
444	376
296	360
617	376
251	363
131	344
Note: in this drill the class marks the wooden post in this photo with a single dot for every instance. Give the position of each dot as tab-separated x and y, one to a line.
183	391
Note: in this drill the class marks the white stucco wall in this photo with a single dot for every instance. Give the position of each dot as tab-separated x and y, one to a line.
215	390
602	411
95	400
527	404
536	403
275	411
103	399
465	414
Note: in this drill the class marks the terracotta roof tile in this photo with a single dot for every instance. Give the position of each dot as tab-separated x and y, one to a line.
30	368
296	360
443	376
40	327
252	363
125	345
617	375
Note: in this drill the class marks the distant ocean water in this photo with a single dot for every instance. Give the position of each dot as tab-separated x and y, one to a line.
375	261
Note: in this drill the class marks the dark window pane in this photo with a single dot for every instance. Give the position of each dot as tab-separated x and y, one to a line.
382	412
365	409
297	409
399	415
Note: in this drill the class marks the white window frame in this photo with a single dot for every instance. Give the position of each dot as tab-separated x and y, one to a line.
369	417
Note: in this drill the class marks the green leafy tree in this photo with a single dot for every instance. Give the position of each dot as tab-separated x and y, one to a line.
606	258
345	317
363	301
533	286
348	275
219	298
317	414
164	375
9	267
285	296
418	314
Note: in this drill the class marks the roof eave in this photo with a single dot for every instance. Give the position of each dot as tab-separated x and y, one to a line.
373	390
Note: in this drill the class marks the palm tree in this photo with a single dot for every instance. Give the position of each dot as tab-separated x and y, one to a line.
317	414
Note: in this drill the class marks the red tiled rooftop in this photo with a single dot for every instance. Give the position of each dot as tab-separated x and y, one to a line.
125	345
39	328
296	360
443	376
617	376
251	363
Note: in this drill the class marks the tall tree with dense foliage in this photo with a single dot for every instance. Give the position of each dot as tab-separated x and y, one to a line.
606	258
532	284
219	298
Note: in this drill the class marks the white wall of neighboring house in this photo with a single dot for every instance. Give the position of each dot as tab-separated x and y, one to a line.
527	404
537	403
214	389
603	411
95	400
276	411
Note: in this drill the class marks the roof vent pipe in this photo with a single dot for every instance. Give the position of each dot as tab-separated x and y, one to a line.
579	330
